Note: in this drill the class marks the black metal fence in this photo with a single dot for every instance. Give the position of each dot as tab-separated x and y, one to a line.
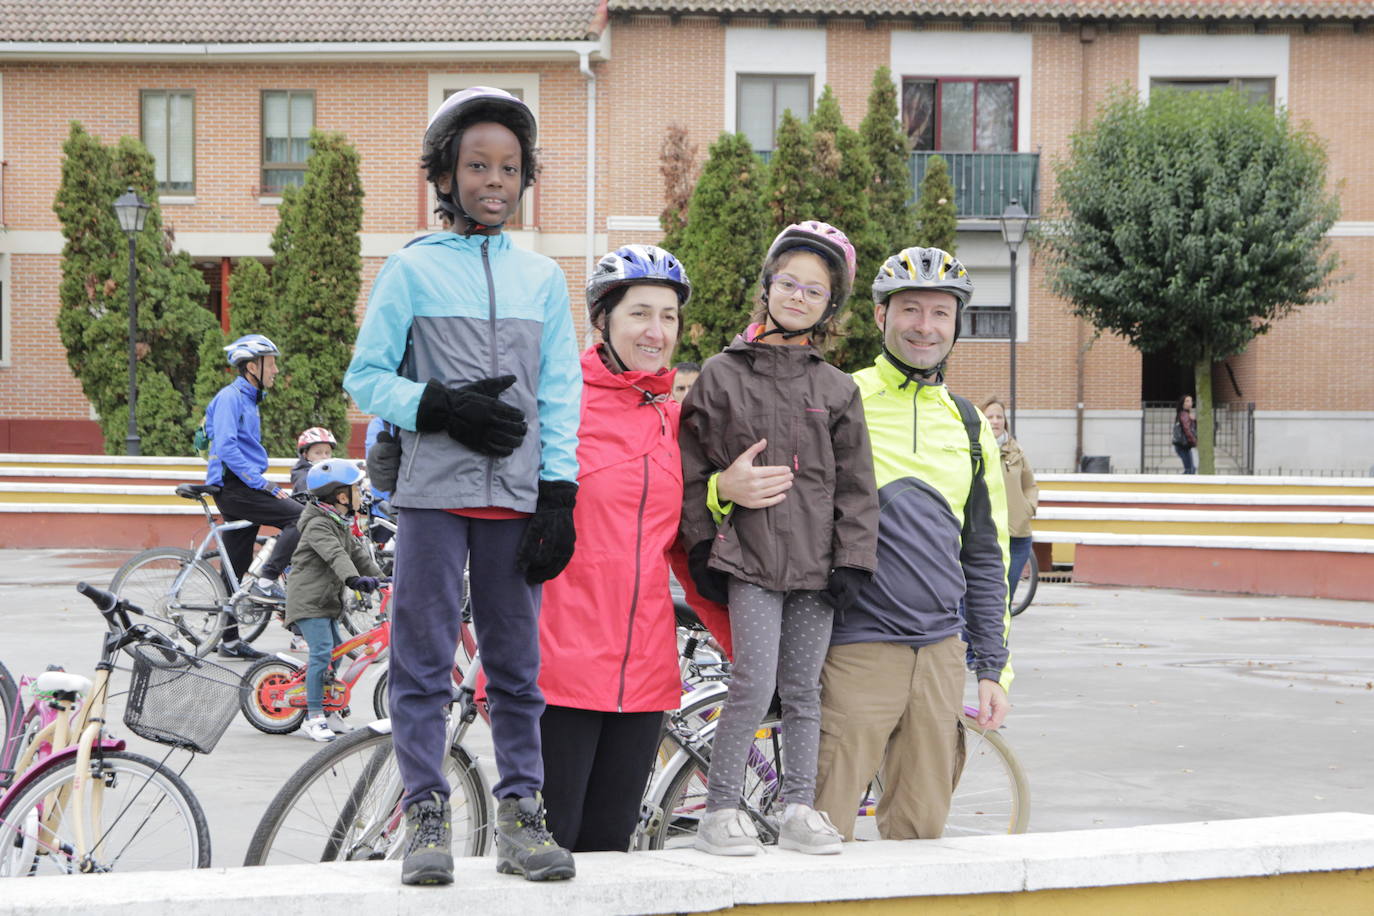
1234	437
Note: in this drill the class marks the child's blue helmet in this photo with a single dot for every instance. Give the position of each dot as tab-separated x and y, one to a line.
330	476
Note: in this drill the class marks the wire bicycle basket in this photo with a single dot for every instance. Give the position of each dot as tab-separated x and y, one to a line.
188	706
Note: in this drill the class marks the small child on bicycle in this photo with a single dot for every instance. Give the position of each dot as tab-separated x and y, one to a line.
329	557
316	444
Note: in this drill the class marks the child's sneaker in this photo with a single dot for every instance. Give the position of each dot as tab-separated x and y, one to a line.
807	830
524	845
318	729
429	847
728	832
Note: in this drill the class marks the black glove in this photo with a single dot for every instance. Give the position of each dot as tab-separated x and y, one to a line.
384	462
473	415
712	584
844	587
548	543
363	583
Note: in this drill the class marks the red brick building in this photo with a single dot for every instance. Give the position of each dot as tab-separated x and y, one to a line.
222	91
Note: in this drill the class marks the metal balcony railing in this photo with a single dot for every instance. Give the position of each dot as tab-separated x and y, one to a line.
984	183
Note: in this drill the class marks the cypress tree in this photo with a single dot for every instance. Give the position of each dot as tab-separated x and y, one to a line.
791	192
886	145
722	246
937	217
844	184
93	317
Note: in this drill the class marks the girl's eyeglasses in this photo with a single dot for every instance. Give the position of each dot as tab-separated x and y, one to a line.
812	295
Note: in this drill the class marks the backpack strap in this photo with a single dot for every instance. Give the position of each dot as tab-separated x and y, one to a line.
973	424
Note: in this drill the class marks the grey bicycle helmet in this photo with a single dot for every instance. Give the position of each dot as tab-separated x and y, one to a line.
923	268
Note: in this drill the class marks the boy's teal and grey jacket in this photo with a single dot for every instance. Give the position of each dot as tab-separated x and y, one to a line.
458	309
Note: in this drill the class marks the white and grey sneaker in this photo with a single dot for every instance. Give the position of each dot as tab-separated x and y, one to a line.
317	729
728	832
807	830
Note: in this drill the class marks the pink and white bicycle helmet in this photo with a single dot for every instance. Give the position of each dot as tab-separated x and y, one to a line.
313	436
831	244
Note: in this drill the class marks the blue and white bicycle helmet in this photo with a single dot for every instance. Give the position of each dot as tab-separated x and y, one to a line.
330	476
631	264
250	346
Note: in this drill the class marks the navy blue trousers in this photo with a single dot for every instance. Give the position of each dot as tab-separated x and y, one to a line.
432	547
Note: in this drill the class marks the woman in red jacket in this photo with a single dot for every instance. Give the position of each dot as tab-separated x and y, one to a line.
608	641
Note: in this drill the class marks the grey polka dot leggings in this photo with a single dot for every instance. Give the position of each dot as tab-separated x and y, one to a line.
780	641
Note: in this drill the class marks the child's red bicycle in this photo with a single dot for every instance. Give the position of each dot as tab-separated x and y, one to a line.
272	694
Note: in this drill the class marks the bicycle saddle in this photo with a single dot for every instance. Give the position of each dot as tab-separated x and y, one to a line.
57	683
196	490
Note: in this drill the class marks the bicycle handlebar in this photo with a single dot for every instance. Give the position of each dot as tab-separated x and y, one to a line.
108	602
111	605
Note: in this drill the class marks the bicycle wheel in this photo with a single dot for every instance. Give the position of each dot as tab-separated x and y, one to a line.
138	816
993	794
275	717
344	804
359	612
1025	590
192	617
683	800
10	716
379	695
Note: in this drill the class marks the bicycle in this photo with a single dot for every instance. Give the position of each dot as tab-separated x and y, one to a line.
272	694
81	803
192	600
344	803
1025	590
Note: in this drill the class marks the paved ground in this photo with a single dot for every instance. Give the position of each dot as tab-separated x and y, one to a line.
1131	706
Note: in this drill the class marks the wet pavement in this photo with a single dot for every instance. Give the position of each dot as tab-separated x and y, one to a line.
1131	706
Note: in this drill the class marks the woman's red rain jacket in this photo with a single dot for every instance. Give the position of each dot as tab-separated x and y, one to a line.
607	635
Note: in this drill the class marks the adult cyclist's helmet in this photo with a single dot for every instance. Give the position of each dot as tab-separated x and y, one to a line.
330	476
632	264
924	268
832	245
313	436
471	105
249	347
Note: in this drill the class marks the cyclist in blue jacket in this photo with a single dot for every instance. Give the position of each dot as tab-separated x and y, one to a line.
237	463
468	349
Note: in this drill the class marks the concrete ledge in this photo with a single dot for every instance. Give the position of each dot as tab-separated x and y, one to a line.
1209	541
977	870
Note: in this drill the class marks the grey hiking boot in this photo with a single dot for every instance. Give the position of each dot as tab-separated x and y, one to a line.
524	845
807	830
429	853
728	832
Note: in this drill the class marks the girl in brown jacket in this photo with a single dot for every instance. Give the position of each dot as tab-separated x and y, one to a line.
784	568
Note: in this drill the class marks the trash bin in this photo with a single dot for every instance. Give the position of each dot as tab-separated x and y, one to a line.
1095	464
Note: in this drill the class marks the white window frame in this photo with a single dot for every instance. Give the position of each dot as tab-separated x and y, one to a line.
1213	56
751	51
439	83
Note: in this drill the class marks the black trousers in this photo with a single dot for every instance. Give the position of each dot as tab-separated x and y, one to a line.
237	500
596	766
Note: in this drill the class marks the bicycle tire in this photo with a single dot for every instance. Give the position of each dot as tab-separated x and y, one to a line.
993	793
272	719
344	804
193	619
149	820
379	695
10	717
1025	590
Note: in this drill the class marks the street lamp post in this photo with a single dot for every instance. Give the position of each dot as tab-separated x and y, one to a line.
132	212
1014	222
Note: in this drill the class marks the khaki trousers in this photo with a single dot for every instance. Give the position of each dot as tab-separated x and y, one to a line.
891	706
